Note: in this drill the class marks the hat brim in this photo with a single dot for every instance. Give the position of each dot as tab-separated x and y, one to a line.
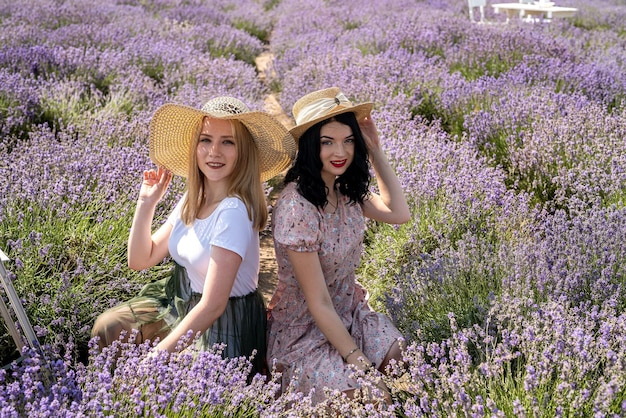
360	112
174	127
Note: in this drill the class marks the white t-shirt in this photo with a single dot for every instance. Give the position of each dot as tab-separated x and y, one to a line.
227	227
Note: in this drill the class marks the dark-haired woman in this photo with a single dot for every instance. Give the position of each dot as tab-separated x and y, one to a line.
320	322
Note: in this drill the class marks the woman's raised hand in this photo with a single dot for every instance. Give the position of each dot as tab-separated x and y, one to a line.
154	185
370	135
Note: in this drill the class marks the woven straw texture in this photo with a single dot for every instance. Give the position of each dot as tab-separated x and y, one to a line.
174	128
360	110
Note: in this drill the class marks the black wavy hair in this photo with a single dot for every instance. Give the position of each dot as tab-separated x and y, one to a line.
306	170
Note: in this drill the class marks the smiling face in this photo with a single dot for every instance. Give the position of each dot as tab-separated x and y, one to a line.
216	152
336	150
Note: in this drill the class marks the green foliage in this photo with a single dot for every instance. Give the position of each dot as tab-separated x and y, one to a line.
217	411
121	103
467	293
220	50
19	131
69	109
154	70
103	83
75	260
490	66
261	33
386	249
617	199
350	25
431	109
268	5
433	266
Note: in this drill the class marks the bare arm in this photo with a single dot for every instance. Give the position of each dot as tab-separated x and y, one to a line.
144	248
390	205
309	275
223	267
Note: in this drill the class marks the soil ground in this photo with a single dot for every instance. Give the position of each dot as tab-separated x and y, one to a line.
267	272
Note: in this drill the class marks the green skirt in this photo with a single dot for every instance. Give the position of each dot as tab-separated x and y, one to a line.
242	326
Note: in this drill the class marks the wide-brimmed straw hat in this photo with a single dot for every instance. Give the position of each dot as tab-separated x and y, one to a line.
174	128
324	104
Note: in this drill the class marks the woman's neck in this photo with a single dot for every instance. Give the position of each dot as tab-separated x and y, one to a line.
329	182
332	199
215	192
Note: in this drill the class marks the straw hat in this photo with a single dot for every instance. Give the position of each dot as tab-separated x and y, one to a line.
323	104
174	128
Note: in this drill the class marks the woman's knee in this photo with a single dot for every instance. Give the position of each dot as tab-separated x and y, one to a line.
109	326
394	353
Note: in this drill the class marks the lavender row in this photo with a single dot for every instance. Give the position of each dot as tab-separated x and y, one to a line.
508	138
78	84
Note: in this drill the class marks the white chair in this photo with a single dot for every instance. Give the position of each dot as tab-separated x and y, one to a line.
477	4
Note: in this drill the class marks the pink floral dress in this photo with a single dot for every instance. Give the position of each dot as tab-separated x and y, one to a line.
295	344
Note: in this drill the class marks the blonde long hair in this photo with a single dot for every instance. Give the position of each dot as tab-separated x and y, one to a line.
245	180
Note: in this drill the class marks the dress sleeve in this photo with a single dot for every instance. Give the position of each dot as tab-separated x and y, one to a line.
296	222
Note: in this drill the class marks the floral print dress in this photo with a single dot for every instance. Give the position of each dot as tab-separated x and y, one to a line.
296	346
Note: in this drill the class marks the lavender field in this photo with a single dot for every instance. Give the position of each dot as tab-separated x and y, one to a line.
509	282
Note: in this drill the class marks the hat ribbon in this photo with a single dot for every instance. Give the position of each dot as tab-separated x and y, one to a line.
321	107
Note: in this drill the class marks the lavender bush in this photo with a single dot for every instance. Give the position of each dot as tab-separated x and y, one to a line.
508	282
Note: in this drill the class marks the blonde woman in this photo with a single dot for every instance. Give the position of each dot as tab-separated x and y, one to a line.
225	151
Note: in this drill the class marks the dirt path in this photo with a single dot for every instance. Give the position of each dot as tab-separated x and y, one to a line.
267	273
271	103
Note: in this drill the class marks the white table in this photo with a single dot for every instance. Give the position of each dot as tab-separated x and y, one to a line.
539	11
